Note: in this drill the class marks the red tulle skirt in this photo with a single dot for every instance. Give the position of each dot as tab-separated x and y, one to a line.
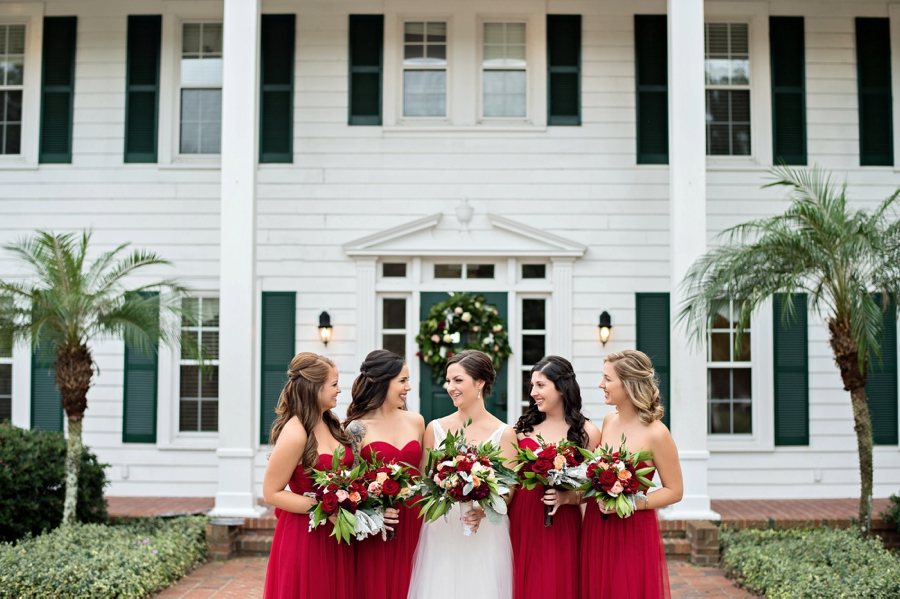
622	558
545	559
383	568
308	564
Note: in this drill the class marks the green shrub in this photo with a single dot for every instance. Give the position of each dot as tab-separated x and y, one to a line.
818	562
32	483
95	560
892	512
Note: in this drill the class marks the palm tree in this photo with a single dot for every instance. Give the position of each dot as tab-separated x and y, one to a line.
838	255
67	303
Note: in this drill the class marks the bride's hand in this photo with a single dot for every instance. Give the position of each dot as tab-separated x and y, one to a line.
474	517
391	516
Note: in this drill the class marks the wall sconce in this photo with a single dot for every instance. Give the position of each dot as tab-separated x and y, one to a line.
605	326
325	327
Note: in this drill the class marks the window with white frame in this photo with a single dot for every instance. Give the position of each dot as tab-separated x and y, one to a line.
393	324
727	68
730	392
198	409
534	340
425	69
201	88
503	74
463	271
12	65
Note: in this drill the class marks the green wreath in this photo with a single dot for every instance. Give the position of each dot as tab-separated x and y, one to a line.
462	322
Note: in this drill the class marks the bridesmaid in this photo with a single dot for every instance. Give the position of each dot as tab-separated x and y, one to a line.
546	558
305	435
380	426
624	557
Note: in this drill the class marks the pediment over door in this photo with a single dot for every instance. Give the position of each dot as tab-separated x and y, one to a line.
445	235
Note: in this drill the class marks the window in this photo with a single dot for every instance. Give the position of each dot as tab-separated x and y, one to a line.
5	382
393	269
201	88
199	403
503	77
455	271
425	69
729	381
534	341
393	325
12	62
534	271
727	89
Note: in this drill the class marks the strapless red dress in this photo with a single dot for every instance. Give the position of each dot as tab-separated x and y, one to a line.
383	568
545	559
308	564
622	558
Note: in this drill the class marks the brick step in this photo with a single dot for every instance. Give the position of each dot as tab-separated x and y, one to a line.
680	548
266	522
673	534
251	543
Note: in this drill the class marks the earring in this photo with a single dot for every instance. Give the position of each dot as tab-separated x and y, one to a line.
479	394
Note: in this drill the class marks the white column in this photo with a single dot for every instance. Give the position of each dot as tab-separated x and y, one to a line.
687	206
562	302
238	383
366	301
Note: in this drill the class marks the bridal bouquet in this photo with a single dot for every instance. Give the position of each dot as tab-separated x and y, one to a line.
388	484
460	472
344	494
614	478
553	465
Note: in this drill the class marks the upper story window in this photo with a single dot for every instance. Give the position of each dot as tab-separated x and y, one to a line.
12	63
425	69
730	390
727	89
201	88
199	397
504	79
463	271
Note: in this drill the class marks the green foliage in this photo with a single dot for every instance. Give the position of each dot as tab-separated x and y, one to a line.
817	562
892	513
32	483
94	560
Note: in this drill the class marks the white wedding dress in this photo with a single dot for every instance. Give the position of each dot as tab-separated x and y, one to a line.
450	565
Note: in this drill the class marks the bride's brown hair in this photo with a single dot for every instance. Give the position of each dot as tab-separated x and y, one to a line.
307	375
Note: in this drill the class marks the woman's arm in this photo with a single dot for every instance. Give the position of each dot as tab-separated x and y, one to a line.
593	434
665	460
283	461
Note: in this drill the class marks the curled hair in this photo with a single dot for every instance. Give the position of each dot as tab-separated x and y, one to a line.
560	372
477	365
307	375
639	378
371	385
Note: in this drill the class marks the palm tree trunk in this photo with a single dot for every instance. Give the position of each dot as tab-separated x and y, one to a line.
74	371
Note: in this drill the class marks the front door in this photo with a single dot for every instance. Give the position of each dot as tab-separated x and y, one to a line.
435	402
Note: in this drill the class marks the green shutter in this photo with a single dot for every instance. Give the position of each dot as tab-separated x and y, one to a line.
279	318
276	98
651	65
882	386
786	49
653	333
366	67
791	372
873	65
57	89
142	88
46	401
140	393
563	69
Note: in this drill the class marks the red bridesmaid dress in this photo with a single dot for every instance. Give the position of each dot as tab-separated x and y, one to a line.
383	568
545	559
622	558
308	564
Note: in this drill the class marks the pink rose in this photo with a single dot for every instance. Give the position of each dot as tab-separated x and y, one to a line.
616	489
374	489
342	495
435	338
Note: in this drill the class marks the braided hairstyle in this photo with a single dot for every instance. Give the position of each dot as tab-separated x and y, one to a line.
640	381
560	372
371	385
307	375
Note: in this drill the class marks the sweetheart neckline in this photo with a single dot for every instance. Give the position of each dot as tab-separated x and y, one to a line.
392	445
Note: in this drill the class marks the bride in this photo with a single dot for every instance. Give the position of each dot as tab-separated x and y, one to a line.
448	564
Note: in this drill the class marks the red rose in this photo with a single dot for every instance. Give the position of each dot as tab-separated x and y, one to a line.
449	354
607	479
442	324
329	503
631	485
332	487
547	454
526	467
592	470
571	460
542	467
464	466
349	506
390	487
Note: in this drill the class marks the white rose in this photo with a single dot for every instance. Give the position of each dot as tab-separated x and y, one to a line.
448	339
458	310
443	351
466	317
478	305
498	328
455	337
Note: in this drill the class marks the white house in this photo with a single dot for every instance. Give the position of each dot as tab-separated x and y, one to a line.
362	158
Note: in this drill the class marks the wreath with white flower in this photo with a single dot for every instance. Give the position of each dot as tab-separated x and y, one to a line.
462	322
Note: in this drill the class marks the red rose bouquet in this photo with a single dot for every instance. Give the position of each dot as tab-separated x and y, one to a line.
388	484
343	493
553	465
615	479
460	472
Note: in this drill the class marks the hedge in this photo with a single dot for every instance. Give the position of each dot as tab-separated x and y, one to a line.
95	560
32	483
817	562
